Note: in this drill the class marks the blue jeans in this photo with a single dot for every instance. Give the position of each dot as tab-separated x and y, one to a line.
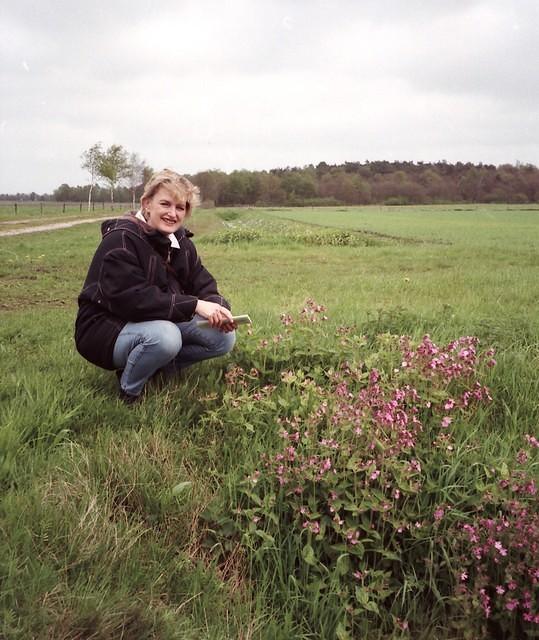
144	347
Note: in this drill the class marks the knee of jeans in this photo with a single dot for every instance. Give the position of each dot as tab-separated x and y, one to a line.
169	340
228	340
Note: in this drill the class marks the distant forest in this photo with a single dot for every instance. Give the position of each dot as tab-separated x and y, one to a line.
379	182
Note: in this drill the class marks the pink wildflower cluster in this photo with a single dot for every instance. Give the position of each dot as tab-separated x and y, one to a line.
236	377
247	382
387	419
532	441
355	470
286	319
312	311
442	366
507	546
458	359
368	435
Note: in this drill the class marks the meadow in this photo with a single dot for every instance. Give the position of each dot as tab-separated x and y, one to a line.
364	464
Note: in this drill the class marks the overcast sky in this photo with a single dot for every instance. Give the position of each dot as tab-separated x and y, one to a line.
258	84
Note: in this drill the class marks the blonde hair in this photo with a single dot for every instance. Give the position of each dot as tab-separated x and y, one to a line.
178	185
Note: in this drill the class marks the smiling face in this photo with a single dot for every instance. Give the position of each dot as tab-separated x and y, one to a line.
164	211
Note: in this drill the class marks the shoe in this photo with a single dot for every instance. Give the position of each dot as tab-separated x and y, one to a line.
127	398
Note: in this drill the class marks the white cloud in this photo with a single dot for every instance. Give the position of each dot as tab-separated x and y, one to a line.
207	84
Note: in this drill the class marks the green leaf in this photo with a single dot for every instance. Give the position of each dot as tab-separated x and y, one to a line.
357	550
181	487
316	586
265	536
342	566
307	553
256	499
390	555
362	595
341	633
372	606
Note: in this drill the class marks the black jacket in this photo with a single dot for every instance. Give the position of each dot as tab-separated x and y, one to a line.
134	276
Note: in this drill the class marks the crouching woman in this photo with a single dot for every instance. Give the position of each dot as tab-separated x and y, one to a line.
146	291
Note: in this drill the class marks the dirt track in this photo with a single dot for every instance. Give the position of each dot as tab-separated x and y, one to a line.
51	227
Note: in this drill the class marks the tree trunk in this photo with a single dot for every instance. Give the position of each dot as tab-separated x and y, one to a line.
90	197
111	198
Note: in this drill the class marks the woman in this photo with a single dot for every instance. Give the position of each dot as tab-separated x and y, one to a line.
146	290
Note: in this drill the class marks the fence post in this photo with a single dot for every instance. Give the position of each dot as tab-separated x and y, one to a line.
64	208
80	206
93	206
15	205
41	208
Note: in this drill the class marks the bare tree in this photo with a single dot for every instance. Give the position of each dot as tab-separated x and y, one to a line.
112	167
90	161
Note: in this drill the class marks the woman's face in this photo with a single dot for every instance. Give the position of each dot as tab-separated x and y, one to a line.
163	211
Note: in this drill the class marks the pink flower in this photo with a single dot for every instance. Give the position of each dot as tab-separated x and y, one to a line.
446	421
314	526
353	537
439	513
500	548
512	604
532	441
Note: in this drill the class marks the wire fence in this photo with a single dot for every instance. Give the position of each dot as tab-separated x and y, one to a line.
28	207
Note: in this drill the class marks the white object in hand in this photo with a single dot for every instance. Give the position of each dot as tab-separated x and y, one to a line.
243	319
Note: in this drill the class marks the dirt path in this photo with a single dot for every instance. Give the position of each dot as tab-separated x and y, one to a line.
50	227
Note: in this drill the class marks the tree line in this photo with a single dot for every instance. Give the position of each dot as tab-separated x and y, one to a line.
117	175
379	182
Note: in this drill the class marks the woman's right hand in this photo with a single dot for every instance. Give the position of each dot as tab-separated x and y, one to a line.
219	317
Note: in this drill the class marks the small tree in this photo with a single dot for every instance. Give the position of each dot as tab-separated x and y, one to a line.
90	161
113	167
147	173
135	174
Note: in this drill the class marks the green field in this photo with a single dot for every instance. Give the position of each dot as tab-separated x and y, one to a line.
139	523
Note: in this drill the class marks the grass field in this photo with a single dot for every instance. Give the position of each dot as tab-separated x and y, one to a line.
141	523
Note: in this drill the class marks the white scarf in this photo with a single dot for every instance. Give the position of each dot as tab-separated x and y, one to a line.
173	240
